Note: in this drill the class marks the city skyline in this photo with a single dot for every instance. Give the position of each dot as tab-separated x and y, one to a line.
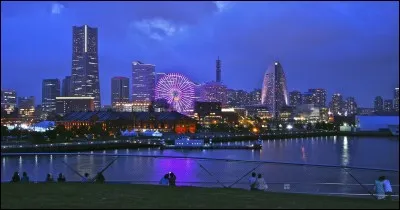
355	53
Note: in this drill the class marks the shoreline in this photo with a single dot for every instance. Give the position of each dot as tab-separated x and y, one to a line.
151	143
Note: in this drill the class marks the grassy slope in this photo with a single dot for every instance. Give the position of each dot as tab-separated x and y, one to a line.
76	195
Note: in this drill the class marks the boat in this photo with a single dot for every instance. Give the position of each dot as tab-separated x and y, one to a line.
185	141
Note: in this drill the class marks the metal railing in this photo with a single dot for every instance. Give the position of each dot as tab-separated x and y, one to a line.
202	171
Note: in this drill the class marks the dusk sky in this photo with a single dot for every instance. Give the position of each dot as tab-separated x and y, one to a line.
346	47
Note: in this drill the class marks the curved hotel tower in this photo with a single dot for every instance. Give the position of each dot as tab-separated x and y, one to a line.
274	91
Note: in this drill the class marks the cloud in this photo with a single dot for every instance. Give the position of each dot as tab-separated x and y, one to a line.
223	5
56	8
157	28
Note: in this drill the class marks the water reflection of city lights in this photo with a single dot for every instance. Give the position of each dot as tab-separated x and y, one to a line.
345	153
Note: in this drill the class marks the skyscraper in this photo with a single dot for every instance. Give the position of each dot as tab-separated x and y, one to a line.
319	96
295	98
274	90
66	86
50	90
378	104
85	69
351	106
396	100
336	104
8	100
119	90
388	105
143	82
218	70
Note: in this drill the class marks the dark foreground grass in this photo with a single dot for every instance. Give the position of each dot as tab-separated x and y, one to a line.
76	195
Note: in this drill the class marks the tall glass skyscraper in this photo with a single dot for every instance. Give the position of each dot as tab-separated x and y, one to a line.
85	68
119	90
274	90
50	90
143	82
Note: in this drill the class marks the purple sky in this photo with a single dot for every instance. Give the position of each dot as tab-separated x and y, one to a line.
349	47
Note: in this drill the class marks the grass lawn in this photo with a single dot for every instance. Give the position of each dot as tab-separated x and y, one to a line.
114	196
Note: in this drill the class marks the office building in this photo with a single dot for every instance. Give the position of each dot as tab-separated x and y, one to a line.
336	105
378	104
350	106
85	68
26	106
295	98
388	105
74	104
308	98
50	90
214	92
274	90
255	97
66	87
119	90
396	100
319	97
143	82
8	100
238	98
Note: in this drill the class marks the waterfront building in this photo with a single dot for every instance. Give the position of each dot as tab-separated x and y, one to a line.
26	107
66	87
396	100
336	104
295	98
8	100
143	82
114	122
85	80
378	104
274	90
388	105
350	106
50	90
318	96
119	91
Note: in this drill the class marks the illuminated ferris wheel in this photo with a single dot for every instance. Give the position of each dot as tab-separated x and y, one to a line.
178	90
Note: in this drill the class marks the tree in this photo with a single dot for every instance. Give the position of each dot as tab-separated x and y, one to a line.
60	129
37	137
52	134
4	130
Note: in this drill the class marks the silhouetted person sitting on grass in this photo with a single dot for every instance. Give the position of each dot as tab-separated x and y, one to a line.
253	181
49	178
85	178
25	178
172	179
164	180
15	178
61	178
100	178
